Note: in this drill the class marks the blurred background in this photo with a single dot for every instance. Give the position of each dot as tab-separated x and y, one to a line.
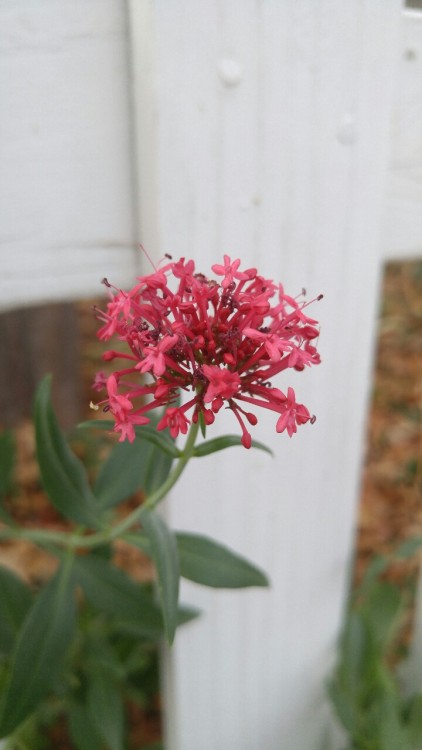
288	134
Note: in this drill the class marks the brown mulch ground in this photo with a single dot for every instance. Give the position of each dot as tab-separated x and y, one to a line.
391	502
390	510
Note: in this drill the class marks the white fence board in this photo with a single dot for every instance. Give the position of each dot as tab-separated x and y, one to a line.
402	235
280	157
65	162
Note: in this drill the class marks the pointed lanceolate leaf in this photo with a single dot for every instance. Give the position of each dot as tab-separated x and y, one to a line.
226	441
121	474
343	704
15	601
414	721
152	460
111	591
63	475
130	628
81	730
207	562
40	650
104	425
7	459
383	611
155	470
106	711
159	439
150	434
202	424
165	555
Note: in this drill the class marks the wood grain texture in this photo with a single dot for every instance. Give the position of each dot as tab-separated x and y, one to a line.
40	340
65	149
269	129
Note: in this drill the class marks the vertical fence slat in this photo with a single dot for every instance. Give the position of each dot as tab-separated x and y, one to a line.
65	150
402	226
268	124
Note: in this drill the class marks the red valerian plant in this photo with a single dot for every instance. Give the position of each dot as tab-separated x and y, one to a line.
219	341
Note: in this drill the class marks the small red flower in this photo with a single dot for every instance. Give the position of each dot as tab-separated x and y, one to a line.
230	272
294	414
221	342
155	360
175	420
222	383
122	409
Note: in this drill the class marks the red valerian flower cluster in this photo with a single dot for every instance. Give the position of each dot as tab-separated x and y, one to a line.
220	342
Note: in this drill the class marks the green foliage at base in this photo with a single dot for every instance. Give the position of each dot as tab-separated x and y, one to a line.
79	647
103	668
369	699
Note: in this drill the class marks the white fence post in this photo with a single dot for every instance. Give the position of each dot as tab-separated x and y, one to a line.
263	133
402	225
65	150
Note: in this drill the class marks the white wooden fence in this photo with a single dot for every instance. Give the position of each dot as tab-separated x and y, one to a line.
286	133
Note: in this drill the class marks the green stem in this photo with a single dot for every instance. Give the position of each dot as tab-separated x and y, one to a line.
152	501
68	559
74	540
38	536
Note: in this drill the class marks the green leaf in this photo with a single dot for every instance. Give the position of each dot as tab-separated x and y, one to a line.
130	628
40	650
382	610
388	723
226	441
376	567
357	654
159	439
7	460
165	555
15	601
111	591
105	709
202	425
63	475
156	470
156	453
414	722
207	562
101	652
408	548
82	732
121	475
343	705
150	434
